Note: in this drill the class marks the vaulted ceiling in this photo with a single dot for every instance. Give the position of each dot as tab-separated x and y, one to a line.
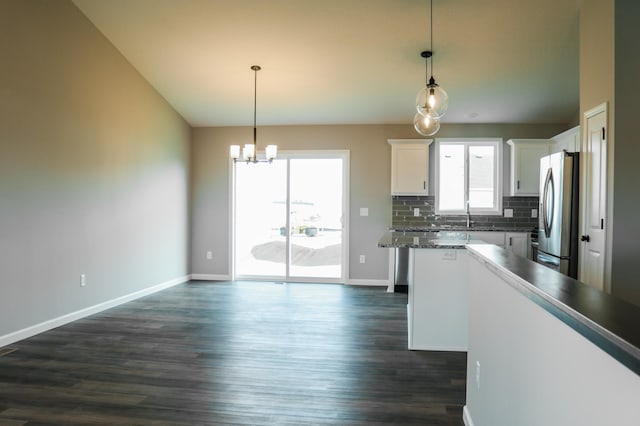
350	61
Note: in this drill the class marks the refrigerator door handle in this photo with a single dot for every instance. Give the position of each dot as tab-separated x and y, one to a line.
547	213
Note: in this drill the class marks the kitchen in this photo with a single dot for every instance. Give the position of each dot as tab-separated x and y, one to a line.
414	218
185	172
449	271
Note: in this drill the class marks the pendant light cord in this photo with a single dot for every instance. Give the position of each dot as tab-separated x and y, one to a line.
255	101
431	33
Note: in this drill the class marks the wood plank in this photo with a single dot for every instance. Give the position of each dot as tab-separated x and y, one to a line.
241	353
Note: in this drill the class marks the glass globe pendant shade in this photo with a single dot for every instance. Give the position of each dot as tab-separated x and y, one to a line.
432	100
425	124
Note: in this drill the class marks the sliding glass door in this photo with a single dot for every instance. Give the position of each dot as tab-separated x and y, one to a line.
289	218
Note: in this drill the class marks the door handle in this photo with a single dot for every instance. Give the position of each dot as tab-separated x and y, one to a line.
585	238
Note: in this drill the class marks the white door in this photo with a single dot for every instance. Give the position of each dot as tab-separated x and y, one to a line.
594	193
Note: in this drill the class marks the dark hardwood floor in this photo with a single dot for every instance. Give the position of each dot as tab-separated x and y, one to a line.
243	353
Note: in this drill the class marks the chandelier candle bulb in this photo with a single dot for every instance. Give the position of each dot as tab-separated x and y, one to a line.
235	151
271	152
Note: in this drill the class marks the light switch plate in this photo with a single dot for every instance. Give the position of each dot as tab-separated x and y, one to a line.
364	211
508	212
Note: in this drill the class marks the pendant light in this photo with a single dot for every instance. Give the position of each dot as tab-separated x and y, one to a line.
425	124
250	151
432	100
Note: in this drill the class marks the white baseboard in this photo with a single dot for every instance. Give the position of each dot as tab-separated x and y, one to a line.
374	283
210	277
438	348
466	416
16	336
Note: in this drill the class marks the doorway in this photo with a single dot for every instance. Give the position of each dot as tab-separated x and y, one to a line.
289	218
594	199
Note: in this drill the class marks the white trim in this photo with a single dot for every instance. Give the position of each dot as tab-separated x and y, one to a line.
346	210
438	348
231	243
16	336
466	416
210	277
372	283
403	141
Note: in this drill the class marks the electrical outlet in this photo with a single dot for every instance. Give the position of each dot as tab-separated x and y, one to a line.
534	213
83	280
478	375
508	212
209	255
362	258
416	211
449	255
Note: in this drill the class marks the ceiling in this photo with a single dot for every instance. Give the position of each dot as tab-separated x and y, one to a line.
350	61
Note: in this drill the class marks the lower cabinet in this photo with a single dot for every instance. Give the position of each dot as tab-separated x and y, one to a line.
438	300
517	242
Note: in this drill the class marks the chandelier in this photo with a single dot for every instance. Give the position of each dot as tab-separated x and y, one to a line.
250	151
432	101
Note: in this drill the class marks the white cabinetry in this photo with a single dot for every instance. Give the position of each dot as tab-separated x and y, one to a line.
409	166
517	242
567	141
489	237
438	300
525	164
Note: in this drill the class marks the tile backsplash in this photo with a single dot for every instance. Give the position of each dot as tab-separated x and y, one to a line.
402	213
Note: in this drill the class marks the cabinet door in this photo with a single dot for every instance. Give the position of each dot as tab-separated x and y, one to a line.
409	169
517	242
567	141
525	166
489	237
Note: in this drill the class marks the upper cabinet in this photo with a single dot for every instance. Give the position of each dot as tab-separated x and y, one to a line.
525	164
567	141
410	166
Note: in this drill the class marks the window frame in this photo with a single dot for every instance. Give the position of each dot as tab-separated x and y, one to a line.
497	143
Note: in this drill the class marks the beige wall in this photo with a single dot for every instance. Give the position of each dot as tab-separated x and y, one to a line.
370	182
597	82
93	169
626	173
609	69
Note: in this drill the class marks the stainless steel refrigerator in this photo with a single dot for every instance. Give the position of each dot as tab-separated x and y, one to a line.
558	215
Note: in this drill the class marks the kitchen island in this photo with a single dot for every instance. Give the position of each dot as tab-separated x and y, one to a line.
542	348
437	307
546	349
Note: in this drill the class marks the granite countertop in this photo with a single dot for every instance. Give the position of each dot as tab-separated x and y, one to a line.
491	228
440	240
608	322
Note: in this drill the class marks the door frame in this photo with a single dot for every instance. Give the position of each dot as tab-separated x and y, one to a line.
601	108
344	155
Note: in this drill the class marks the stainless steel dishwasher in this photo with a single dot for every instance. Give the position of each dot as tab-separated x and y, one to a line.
401	270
